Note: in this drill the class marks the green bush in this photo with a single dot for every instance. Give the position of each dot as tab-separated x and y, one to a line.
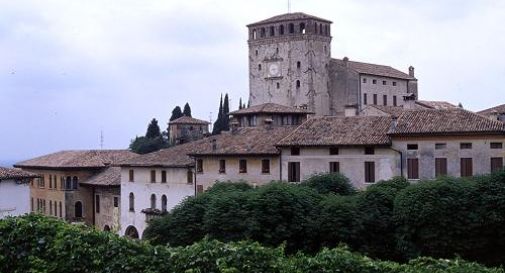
325	183
35	243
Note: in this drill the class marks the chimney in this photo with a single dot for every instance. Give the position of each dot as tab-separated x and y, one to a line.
409	102
394	122
351	110
346	60
234	127
411	71
214	144
268	123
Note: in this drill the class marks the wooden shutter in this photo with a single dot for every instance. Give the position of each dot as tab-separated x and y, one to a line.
413	168
440	166
496	164
369	172
334	167
466	167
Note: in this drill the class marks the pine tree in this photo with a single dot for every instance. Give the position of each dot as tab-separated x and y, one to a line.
226	111
153	130
176	113
187	110
217	128
240	104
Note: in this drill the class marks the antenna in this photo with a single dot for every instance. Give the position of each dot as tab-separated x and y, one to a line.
101	139
210	120
289	6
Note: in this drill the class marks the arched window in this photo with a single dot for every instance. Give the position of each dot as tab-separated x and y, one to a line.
132	201
163	203
254	34
131	232
297	84
68	183
78	209
302	28
75	181
321	29
291	28
262	32
272	31
281	30
153	201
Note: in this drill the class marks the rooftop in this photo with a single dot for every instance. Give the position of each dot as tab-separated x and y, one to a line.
189	120
78	159
436	104
270	108
289	17
108	177
328	131
375	69
12	173
499	109
176	156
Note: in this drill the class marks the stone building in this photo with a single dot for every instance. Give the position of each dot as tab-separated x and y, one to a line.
187	129
494	113
290	64
15	191
59	192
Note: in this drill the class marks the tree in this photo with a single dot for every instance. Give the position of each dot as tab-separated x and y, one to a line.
153	130
187	110
226	114
240	104
330	182
176	113
217	128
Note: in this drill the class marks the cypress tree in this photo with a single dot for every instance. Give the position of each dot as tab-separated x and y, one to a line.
187	110
226	117
176	113
217	128
240	103
153	130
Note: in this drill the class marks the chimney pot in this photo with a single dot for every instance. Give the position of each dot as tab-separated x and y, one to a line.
411	71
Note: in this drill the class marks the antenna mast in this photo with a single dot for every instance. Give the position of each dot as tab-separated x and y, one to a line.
101	139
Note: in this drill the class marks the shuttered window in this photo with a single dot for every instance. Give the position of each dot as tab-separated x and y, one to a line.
466	167
265	166
413	168
369	172
496	164
440	167
334	167
293	171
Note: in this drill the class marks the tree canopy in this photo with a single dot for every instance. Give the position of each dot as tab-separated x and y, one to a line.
187	110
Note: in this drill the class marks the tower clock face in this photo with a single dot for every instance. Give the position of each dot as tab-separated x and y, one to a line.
273	70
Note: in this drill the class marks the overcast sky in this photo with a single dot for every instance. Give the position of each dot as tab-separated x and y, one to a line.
70	69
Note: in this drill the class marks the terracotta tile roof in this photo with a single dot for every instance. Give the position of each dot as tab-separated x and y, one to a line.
390	110
374	69
445	122
288	17
78	159
327	131
245	141
436	104
270	108
188	120
499	109
12	173
109	177
176	156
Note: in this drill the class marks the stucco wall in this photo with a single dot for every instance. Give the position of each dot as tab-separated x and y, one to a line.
380	89
176	189
14	198
108	215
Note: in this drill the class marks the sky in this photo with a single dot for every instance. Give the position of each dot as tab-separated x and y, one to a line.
72	69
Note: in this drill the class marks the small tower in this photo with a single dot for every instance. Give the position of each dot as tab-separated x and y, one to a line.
289	57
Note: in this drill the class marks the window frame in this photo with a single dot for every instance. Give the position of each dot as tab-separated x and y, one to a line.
369	172
242	166
222	166
265	162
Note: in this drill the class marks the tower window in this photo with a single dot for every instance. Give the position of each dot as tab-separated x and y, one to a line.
394	83
272	31
384	82
291	28
394	101
364	80
365	99
297	84
315	28
321	29
281	30
327	30
259	67
263	32
298	64
256	53
277	50
302	28
374	81
254	34
375	99
278	85
385	99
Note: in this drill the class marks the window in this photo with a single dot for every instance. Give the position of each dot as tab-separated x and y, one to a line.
440	146
281	30
291	28
364	99
374	99
333	150
61	210
369	150
466	167
222	166
259	67
55	208
321	29
412	168
412	146
298	64
50	181
262	32
394	101
272	31
153	201
298	84
116	202
369	172
496	164
394	83
42	182
75	182
278	85
97	203
364	80
163	203
295	150
163	176
496	145
50	207
32	206
78	209
199	166
255	34
293	171
190	176
265	166
334	167
440	167
374	81
62	182
465	145
302	28
153	176
385	99
131	201
277	50
131	175
315	28
384	82
242	166
256	53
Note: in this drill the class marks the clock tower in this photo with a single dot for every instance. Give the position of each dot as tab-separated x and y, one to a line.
289	59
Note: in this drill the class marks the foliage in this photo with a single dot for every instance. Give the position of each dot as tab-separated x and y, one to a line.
34	243
153	130
330	182
222	122
176	113
144	145
187	110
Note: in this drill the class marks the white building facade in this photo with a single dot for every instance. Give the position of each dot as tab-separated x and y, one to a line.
14	192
